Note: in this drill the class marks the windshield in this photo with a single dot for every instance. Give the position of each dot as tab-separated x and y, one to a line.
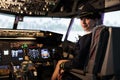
45	24
6	21
57	25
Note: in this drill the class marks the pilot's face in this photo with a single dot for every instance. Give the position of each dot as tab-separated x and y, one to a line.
88	24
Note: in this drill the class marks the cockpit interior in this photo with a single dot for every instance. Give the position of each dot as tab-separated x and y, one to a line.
33	28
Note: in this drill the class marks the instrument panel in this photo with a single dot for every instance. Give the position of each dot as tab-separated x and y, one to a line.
40	46
21	33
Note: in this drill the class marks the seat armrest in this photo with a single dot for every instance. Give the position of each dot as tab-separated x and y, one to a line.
78	71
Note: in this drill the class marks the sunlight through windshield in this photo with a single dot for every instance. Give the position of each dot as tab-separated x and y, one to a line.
57	25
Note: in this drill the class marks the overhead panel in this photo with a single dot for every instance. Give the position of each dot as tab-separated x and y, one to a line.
28	7
52	8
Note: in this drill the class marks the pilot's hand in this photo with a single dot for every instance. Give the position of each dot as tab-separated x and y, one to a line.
60	74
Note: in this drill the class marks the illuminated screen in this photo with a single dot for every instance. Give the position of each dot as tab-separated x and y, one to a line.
3	66
6	52
33	53
17	54
16	67
45	53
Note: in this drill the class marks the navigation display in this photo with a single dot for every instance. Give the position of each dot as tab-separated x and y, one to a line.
17	54
45	53
33	53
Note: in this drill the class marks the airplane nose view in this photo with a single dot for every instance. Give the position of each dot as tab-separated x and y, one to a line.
59	39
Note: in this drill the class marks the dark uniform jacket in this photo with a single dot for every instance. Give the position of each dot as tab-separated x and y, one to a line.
81	53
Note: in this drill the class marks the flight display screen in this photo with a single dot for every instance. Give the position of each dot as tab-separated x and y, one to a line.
45	54
33	53
17	54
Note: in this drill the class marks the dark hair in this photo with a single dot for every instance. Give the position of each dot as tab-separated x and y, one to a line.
88	11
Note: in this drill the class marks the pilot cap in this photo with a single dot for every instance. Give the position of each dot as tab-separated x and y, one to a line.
88	11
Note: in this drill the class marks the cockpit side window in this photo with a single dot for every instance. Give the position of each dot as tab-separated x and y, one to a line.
112	18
